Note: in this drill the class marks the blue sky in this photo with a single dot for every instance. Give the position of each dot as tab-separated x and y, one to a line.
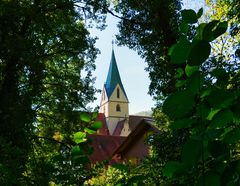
131	67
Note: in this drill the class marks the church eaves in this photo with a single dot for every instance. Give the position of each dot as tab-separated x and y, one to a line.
113	77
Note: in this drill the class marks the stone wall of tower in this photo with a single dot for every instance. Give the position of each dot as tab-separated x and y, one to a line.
115	108
114	101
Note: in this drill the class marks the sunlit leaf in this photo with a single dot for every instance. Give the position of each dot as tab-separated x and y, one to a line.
79	137
212	113
96	125
89	131
94	115
85	117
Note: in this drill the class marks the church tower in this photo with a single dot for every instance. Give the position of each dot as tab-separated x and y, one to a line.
114	101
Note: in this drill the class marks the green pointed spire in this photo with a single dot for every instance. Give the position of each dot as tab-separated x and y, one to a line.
113	77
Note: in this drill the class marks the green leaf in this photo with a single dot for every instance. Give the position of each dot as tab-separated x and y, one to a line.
222	119
207	30
203	110
205	93
218	72
214	29
220	29
212	113
184	27
222	77
89	131
120	167
190	70
179	104
217	148
180	83
183	123
76	151
79	137
94	115
232	137
179	73
213	134
191	152
81	159
210	179
199	52
199	31
189	16
179	51
85	117
220	98
96	125
171	168
195	82
200	13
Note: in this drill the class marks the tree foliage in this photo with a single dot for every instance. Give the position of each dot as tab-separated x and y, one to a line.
208	110
150	28
225	48
45	51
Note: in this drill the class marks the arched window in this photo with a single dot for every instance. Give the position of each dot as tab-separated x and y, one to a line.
118	93
118	108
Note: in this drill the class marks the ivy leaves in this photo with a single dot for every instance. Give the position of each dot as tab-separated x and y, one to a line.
81	150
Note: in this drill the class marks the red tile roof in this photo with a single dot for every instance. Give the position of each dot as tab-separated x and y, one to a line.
104	130
104	146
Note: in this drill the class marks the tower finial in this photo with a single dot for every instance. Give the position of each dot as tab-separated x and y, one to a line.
112	42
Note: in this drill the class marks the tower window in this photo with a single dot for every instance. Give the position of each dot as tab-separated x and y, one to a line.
118	108
118	93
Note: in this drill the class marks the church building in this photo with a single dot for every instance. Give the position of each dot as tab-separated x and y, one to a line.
122	136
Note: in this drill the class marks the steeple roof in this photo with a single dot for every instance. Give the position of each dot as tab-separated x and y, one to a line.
113	77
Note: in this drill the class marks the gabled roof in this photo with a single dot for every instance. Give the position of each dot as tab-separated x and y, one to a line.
142	128
113	78
104	146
